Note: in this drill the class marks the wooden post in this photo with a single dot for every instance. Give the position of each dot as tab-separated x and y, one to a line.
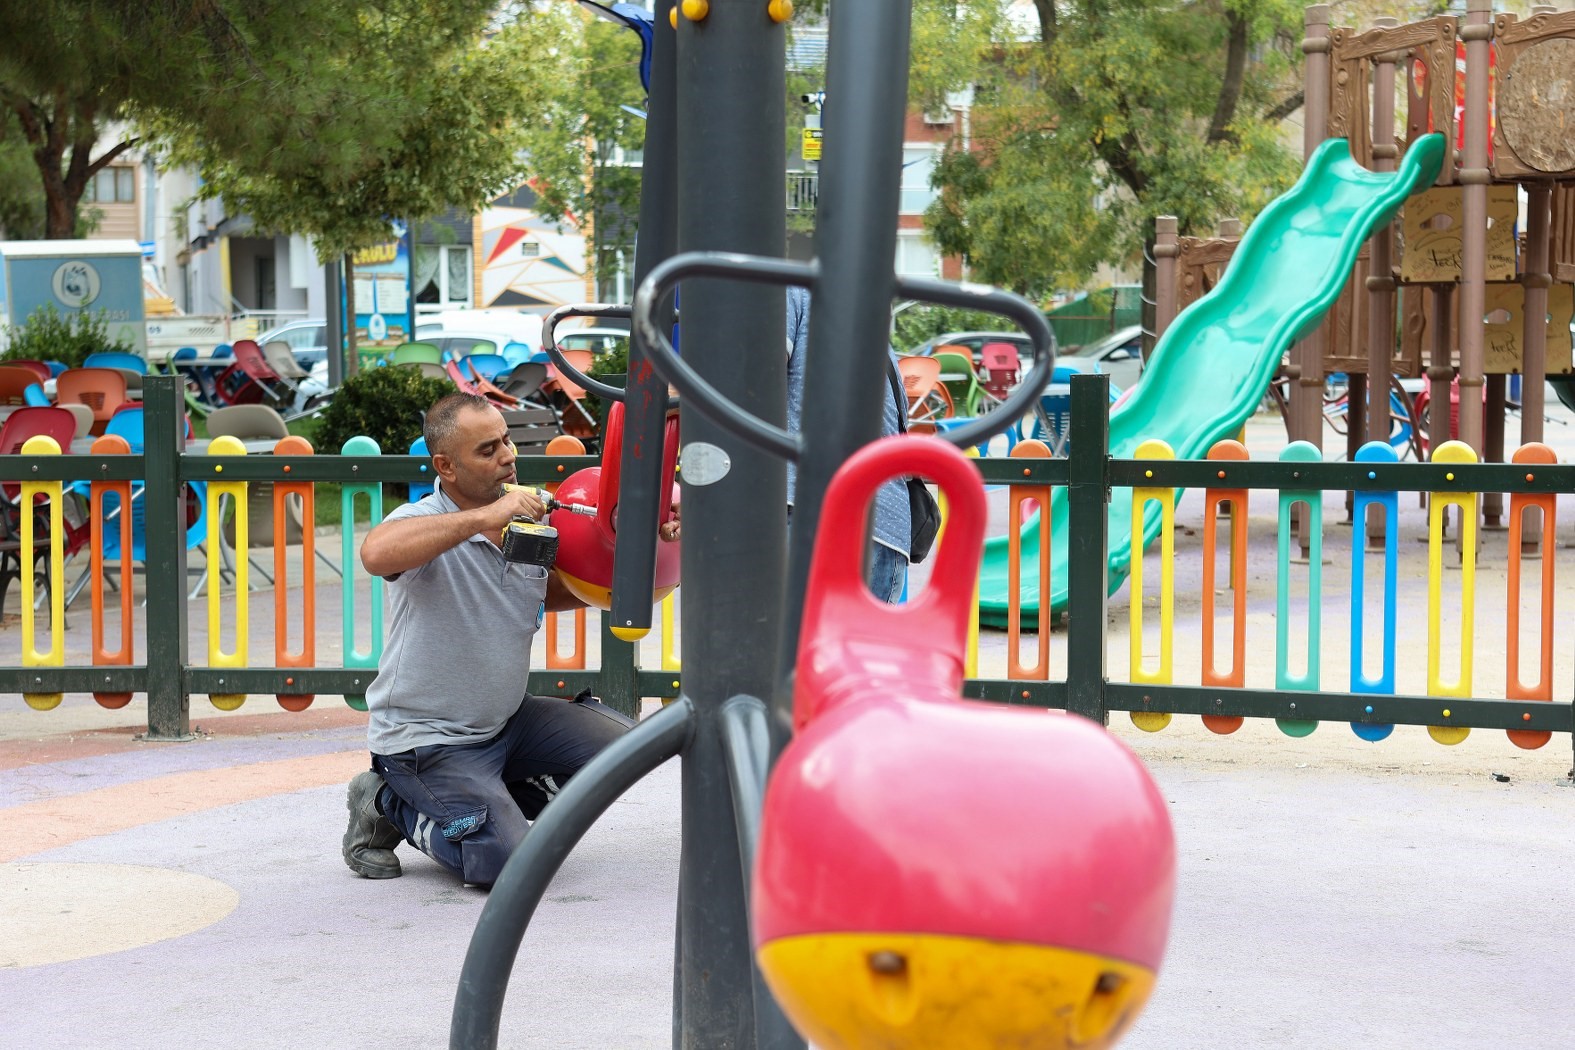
1164	273
1474	177
1380	280
1533	369
1306	371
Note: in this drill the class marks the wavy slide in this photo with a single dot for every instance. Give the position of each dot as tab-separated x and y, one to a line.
1210	369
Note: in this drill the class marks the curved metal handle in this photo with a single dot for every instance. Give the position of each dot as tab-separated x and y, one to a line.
1028	316
665	362
549	343
717	408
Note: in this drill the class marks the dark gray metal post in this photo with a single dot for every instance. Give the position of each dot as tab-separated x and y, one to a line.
731	129
645	405
333	288
169	705
855	243
1088	547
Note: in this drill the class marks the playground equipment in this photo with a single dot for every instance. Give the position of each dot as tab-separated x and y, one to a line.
1286	273
585	554
933	915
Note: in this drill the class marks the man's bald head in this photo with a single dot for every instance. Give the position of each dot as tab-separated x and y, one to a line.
442	420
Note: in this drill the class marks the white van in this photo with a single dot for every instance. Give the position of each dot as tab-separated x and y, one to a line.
511	326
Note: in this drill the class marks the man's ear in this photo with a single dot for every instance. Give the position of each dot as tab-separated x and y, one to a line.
444	466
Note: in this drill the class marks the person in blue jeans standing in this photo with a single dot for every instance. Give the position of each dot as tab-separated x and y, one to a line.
888	560
462	757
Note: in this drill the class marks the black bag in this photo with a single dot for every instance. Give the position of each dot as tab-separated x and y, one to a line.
923	512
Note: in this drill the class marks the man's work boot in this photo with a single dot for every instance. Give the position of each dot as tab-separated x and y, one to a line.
370	839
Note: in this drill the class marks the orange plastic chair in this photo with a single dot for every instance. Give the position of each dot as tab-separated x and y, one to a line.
928	400
101	389
14	383
577	419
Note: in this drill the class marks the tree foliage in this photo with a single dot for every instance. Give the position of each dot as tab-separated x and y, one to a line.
421	108
1093	116
573	147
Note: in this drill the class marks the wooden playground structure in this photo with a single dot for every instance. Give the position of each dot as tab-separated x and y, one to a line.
1451	291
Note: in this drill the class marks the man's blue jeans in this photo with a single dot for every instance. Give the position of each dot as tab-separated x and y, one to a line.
888	572
467	806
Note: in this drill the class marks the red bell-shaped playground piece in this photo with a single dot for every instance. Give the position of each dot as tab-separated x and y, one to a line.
585	545
934	872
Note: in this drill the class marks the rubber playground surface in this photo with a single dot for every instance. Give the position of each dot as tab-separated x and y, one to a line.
1333	893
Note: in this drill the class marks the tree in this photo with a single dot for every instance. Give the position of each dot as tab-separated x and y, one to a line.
1094	116
83	81
573	149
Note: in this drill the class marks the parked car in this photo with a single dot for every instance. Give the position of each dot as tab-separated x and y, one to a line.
596	340
1119	355
307	340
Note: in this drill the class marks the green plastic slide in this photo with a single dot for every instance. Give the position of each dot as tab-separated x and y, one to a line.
1209	371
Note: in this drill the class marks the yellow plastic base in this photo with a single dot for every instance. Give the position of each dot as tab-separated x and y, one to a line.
1449	735
629	634
227	701
1150	721
861	991
43	701
599	597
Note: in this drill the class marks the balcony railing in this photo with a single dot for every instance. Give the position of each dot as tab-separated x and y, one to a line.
803	190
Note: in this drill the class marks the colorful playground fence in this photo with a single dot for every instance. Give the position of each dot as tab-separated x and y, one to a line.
1093	482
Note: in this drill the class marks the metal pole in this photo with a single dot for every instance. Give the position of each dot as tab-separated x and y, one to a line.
855	242
730	84
1088	522
164	505
333	287
640	502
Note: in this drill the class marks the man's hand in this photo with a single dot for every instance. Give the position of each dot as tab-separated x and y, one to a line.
668	530
514	503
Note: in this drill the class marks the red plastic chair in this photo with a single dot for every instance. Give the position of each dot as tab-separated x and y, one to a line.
19	426
576	418
14	383
101	389
480	388
1001	367
928	399
251	379
38	368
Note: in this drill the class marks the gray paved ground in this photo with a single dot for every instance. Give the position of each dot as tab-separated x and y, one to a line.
1333	893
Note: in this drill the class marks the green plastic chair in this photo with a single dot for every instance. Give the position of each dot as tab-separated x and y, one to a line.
417	354
960	380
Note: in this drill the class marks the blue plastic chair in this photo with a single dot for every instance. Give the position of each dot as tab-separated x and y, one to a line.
1053	417
35	396
516	354
55	367
223	350
488	366
116	359
419	489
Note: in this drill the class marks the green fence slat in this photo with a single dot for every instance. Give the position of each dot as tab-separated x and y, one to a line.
355	658
1308	680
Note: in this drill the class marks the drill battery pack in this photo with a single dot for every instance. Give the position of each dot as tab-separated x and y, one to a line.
530	543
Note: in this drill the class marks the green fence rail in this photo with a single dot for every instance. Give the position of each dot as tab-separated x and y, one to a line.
169	676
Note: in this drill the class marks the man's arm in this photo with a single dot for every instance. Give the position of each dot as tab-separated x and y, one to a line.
408	543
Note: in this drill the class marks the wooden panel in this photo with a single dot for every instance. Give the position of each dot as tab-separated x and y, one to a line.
1200	263
1561	255
1430	236
1430	95
1504	332
1533	85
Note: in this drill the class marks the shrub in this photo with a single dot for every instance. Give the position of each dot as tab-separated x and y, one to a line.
49	335
610	368
386	404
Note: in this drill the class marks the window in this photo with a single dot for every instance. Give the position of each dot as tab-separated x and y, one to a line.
916	257
917	164
305	338
442	277
111	186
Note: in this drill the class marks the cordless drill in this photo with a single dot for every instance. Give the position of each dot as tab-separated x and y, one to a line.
529	542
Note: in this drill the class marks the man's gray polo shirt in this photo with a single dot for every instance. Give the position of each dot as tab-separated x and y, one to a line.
457	655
